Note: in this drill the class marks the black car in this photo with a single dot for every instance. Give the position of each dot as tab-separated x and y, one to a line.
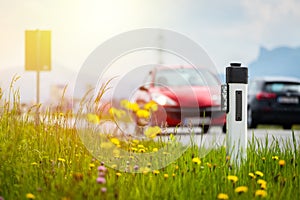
274	100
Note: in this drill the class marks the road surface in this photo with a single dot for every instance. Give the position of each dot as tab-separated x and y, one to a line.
213	139
216	138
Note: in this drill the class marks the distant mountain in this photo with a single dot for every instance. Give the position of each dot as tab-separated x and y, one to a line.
281	61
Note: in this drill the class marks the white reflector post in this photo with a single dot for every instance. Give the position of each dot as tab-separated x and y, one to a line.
236	118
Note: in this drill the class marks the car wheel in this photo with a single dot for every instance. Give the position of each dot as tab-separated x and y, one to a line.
224	129
287	126
251	122
205	129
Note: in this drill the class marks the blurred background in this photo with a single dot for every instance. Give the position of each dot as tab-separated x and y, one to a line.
263	35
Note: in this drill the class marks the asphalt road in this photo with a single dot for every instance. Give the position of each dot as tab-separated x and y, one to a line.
215	137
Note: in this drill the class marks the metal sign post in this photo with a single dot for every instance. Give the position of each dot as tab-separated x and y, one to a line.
234	102
37	57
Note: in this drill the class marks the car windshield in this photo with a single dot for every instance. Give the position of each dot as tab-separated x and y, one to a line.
279	87
185	77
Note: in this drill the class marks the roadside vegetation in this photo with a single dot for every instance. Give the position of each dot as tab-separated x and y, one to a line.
48	160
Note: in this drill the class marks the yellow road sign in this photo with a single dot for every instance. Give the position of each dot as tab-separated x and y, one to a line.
37	50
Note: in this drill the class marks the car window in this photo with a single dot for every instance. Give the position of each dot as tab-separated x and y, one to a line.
185	77
278	87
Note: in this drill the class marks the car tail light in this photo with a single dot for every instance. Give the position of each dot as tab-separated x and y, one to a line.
265	95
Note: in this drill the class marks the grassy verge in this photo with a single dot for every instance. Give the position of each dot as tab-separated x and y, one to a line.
50	162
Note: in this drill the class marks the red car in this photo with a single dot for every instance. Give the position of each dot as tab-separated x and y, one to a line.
185	96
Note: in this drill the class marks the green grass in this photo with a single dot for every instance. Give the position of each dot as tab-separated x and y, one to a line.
50	161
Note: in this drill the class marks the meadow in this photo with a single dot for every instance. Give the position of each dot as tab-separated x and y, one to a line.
49	161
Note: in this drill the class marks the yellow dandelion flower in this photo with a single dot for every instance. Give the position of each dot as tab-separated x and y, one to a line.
34	163
151	105
133	149
141	146
263	158
117	113
135	141
259	173
145	172
129	106
166	175
151	132
260	193
61	160
176	167
142	150
232	178
143	113
241	189
155	149
30	196
196	160
114	166
93	118
222	196
252	175
275	157
209	165
155	172
173	175
263	186
134	107
115	141
281	163
91	165
118	174
261	181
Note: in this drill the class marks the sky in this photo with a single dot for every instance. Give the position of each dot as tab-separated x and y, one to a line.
229	30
